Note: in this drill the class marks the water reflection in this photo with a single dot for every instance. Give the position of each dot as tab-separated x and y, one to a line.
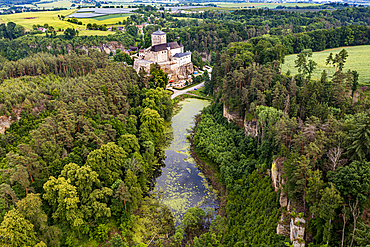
182	184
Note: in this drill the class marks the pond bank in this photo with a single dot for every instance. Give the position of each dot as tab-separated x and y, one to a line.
210	172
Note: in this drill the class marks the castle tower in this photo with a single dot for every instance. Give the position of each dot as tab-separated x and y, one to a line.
159	37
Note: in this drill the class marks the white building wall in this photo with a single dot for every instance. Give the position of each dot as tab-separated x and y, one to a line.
159	39
186	59
159	56
176	50
182	60
162	56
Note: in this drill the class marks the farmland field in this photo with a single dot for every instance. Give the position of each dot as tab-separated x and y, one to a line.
51	18
106	19
24	5
357	60
233	6
55	4
262	5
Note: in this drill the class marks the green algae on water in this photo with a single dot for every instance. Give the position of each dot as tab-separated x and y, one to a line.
183	185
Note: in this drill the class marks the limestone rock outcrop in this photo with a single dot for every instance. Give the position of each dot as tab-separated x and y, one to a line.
232	116
283	228
277	173
297	231
108	47
288	225
178	73
251	128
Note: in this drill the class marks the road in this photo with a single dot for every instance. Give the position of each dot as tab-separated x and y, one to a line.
180	92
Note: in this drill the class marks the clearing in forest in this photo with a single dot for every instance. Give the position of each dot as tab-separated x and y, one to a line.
358	59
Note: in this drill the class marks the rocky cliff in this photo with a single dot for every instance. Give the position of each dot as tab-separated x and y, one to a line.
178	73
112	46
289	224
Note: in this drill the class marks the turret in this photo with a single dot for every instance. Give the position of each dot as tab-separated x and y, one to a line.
159	37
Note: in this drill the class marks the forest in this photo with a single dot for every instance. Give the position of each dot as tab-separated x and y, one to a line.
314	132
81	158
85	133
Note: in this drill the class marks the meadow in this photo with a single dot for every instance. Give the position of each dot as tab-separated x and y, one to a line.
358	59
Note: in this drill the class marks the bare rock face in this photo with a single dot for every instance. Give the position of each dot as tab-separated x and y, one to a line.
297	231
277	173
289	225
185	70
251	128
112	46
283	199
275	176
176	72
233	117
5	122
205	56
227	115
283	228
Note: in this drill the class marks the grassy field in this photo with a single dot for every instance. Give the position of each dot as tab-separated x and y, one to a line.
51	18
358	59
107	19
55	4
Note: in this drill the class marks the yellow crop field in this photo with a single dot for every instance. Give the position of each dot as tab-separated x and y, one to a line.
49	17
28	19
107	19
357	60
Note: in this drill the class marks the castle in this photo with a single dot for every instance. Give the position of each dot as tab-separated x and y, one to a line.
170	57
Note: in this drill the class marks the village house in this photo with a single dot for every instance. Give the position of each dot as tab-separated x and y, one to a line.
42	29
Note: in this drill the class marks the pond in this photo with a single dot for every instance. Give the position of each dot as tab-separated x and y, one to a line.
182	183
